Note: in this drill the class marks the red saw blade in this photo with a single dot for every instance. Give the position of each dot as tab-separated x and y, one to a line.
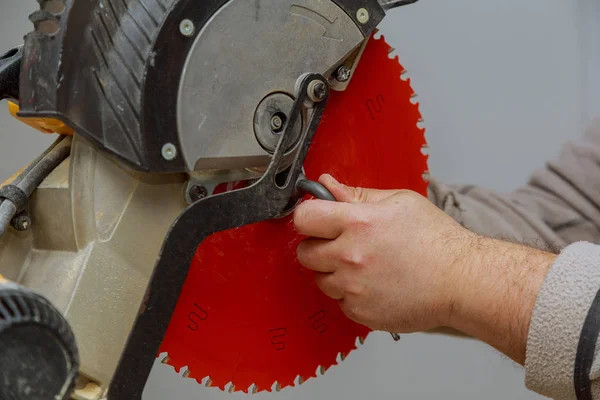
249	315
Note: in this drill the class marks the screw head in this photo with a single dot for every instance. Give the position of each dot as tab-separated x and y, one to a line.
169	151
317	90
22	223
198	192
362	15
186	27
343	74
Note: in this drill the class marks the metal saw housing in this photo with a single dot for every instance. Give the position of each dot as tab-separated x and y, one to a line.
134	76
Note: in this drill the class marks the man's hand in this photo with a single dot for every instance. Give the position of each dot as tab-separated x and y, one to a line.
397	263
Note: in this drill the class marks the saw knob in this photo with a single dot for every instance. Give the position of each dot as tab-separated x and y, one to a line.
38	356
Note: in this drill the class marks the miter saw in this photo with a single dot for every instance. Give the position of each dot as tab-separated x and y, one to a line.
158	224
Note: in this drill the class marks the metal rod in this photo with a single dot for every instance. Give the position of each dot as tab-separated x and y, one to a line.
33	176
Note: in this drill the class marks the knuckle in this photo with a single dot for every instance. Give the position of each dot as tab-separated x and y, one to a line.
360	220
355	288
352	257
351	286
360	195
300	214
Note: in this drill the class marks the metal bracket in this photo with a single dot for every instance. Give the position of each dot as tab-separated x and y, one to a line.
389	4
266	199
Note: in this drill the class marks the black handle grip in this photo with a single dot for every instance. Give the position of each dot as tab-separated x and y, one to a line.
10	70
306	186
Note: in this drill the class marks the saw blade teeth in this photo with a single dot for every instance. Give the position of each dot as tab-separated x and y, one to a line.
165	360
208	382
276	387
230	387
340	358
186	374
253	388
413	98
298	381
361	340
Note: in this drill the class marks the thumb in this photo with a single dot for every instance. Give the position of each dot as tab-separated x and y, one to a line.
349	194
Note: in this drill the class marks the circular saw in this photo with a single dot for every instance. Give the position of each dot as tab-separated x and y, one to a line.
197	129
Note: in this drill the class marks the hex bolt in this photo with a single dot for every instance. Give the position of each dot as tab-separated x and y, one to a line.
186	27
342	74
317	90
198	192
362	15
169	151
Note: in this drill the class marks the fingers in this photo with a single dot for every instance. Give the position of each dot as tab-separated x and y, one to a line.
348	194
321	219
329	285
317	254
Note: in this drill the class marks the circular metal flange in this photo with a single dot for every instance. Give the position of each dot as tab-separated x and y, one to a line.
270	119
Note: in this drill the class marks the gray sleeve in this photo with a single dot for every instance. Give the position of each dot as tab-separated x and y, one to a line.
558	317
559	205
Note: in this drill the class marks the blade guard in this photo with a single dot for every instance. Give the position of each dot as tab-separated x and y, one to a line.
249	316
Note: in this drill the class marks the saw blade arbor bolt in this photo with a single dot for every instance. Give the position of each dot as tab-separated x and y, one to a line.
186	27
277	122
169	152
362	15
198	192
317	90
343	74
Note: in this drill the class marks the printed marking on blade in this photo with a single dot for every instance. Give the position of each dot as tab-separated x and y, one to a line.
195	317
316	319
277	336
375	107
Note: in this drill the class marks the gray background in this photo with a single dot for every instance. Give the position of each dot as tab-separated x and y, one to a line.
502	84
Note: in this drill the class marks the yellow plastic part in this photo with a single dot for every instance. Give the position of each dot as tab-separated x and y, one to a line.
45	125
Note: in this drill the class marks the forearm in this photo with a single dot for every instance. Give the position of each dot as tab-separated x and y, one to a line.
500	283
